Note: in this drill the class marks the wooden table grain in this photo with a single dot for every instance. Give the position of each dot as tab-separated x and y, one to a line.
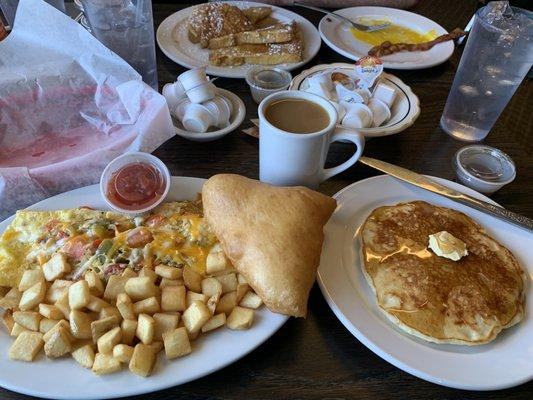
317	358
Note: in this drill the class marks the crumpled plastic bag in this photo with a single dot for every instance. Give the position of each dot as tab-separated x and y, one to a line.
68	106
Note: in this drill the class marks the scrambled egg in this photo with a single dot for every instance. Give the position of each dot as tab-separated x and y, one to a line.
393	33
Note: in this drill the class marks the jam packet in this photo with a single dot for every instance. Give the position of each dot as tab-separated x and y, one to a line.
368	69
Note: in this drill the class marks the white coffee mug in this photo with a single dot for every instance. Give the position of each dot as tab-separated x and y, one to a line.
291	159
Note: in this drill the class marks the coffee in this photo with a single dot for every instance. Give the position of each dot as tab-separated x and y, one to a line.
297	116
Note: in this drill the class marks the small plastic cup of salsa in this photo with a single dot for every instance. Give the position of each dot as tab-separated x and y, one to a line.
135	183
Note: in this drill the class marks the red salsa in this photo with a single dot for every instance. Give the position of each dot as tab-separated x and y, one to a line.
136	186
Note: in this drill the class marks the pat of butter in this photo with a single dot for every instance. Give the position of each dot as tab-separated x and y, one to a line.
446	245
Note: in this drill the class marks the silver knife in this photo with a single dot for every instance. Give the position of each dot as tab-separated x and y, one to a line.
428	184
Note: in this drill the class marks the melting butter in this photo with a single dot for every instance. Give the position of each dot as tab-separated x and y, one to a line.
444	244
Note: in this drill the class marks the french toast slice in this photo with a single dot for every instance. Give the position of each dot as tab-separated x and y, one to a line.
278	33
256	14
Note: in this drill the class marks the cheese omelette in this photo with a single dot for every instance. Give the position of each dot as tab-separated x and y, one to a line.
173	234
466	302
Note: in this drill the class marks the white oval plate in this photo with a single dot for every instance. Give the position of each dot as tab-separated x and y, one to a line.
190	55
65	379
236	118
505	362
337	35
404	111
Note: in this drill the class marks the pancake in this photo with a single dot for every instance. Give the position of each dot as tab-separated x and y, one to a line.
465	302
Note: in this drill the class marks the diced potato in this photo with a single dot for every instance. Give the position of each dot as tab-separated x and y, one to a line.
215	322
78	295
50	311
3	291
56	267
140	288
192	279
149	273
164	323
216	260
58	288
58	344
241	279
251	300
46	324
145	329
242	289
143	360
33	296
109	340
156	346
17	330
105	364
109	312
8	321
146	306
26	346
63	305
176	343
101	326
129	327
212	303
29	278
123	353
211	287
129	273
195	316
84	356
11	299
240	318
115	286
227	303
173	298
170	282
96	304
125	306
27	319
228	282
165	271
96	286
62	324
192	296
80	325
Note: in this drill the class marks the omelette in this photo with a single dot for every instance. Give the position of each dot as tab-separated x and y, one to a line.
173	234
465	302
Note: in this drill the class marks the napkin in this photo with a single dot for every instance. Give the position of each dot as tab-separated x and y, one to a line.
68	105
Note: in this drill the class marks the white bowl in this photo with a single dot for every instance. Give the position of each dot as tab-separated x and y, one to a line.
404	111
126	159
236	118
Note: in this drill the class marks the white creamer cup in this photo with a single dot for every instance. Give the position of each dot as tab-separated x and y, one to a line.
197	118
178	110
357	116
220	110
385	93
380	112
173	92
199	94
192	78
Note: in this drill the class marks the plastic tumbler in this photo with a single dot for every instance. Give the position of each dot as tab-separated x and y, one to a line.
497	56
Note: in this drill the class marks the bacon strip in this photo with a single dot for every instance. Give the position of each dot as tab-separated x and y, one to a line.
386	48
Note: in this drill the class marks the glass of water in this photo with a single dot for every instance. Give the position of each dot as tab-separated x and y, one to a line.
126	27
497	56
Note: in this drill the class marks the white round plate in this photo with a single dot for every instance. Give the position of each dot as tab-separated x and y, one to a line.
505	362
337	35
65	379
236	118
404	111
190	55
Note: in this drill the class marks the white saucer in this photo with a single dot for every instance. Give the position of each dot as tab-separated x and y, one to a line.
236	118
405	109
337	35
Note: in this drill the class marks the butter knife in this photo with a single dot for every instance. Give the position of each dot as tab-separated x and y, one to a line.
429	184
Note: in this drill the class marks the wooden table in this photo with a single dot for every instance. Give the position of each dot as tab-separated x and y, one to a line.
317	357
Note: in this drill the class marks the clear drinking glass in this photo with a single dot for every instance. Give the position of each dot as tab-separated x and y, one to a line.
127	28
497	56
9	8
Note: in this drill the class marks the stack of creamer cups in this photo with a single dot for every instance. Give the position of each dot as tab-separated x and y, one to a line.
196	102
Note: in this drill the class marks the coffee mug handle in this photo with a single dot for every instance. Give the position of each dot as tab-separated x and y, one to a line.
356	138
